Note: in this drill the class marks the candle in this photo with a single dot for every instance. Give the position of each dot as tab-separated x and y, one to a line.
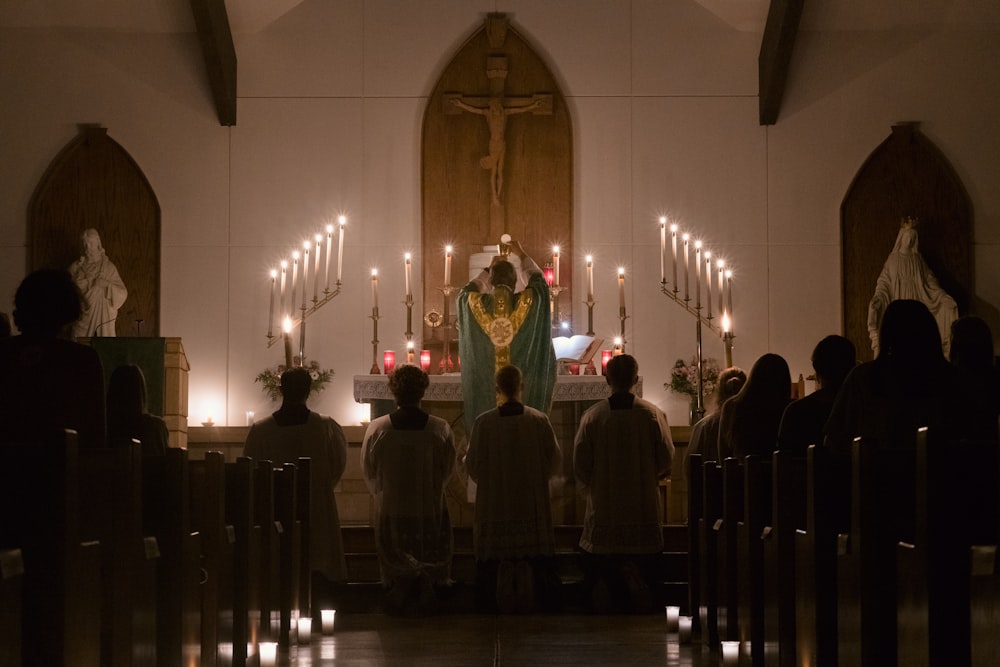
425	360
673	615
270	308
388	361
281	294
447	266
663	249
555	264
375	290
409	352
673	247
730	652
306	246
295	273
685	238
406	274
721	265
268	654
305	630
590	278
605	358
286	327
684	629
729	297
327	618
708	282
618	346
621	288
342	220
317	238
697	274
329	242
250	417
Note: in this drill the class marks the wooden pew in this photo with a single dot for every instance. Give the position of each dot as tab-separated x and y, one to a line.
695	514
956	509
246	559
788	502
167	516
208	518
289	545
11	600
303	488
269	582
39	494
881	514
708	536
732	514
984	606
827	514
756	515
111	513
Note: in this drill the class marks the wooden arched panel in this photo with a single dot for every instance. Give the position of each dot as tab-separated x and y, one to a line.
94	182
535	200
905	176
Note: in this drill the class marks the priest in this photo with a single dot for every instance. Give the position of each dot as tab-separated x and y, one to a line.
498	327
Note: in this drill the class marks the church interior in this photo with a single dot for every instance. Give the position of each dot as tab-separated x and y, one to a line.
705	180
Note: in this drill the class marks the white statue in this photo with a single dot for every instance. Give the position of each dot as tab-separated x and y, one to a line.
102	288
906	275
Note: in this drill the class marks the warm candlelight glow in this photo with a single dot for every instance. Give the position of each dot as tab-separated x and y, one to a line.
663	249
447	265
305	630
590	278
673	246
673	615
425	360
555	264
687	260
329	242
721	265
342	220
294	285
409	352
621	288
605	358
388	361
725	322
286	327
327	618
407	264
375	289
268	654
281	294
697	274
684	629
270	308
618	346
729	296
708	283
730	652
306	247
318	238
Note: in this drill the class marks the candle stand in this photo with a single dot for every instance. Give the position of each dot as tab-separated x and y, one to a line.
590	316
446	365
375	369
555	315
317	303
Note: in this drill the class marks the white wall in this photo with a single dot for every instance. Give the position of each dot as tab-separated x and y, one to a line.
664	109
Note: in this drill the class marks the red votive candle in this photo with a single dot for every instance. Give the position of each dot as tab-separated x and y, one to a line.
425	360
388	361
605	358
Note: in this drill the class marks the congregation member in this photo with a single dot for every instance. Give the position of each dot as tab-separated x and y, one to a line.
498	326
750	419
128	413
49	380
704	437
407	457
803	421
513	453
972	352
292	432
621	451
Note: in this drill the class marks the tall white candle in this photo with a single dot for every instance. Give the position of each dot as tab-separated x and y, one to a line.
590	278
621	288
281	294
708	282
687	260
306	247
342	221
270	308
374	289
406	274
447	266
673	247
697	274
663	249
555	265
729	297
317	238
286	328
329	242
295	273
721	266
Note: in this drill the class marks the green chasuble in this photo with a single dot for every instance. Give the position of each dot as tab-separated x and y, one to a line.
489	340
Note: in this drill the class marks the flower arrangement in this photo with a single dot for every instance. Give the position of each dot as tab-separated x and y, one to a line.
270	379
684	377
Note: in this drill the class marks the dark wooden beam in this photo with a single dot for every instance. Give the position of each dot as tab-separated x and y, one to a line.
776	55
220	55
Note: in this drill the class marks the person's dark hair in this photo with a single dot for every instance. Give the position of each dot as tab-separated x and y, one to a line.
622	372
731	380
503	273
508	380
4	325
768	383
296	384
909	334
46	301
126	400
971	344
408	384
832	359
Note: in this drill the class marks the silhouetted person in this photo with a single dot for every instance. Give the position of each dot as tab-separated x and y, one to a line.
513	453
704	438
4	325
292	432
128	413
407	457
972	352
750	419
803	422
48	380
622	449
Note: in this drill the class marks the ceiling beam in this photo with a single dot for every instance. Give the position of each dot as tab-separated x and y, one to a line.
220	55
776	56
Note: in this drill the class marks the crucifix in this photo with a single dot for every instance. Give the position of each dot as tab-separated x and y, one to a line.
496	107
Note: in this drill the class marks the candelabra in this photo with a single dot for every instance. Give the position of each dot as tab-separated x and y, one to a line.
556	316
306	311
374	316
446	365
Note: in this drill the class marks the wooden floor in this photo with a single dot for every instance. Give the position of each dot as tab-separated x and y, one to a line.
470	640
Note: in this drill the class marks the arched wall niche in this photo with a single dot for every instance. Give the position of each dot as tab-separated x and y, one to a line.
94	182
906	175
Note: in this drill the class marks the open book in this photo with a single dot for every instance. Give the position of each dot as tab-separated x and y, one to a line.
578	348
